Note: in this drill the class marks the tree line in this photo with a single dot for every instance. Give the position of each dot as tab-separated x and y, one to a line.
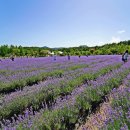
107	49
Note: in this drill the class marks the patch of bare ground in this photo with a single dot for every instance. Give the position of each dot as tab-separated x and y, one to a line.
97	120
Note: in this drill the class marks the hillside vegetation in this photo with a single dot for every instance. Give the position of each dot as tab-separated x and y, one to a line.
110	49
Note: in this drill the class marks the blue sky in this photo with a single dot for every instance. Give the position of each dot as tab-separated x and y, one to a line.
64	23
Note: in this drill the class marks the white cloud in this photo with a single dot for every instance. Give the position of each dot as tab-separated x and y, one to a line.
121	31
115	40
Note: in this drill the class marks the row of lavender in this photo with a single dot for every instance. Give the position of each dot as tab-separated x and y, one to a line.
119	114
16	103
15	79
71	69
68	77
21	66
27	67
61	118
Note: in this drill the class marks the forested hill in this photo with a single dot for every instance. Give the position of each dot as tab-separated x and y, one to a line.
114	48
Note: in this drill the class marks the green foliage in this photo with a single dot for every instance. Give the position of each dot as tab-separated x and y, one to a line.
6	51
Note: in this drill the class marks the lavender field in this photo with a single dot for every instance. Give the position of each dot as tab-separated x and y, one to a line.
43	94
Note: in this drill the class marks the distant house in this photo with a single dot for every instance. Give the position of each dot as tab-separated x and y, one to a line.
57	53
60	52
51	53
